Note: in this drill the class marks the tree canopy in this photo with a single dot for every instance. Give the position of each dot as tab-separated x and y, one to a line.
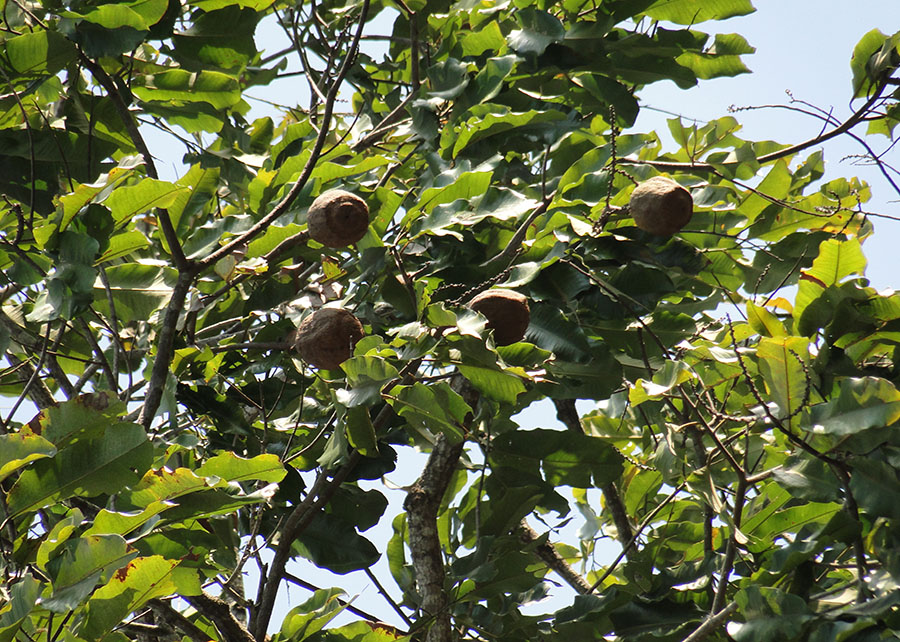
181	409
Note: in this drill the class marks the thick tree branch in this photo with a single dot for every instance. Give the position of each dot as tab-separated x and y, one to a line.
319	495
165	347
422	502
174	619
218	611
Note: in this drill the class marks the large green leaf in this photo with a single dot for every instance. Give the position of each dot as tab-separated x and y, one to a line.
88	467
231	467
132	586
782	363
565	457
85	562
431	409
127	202
330	542
313	615
863	403
220	90
39	52
484	121
23	596
19	449
689	12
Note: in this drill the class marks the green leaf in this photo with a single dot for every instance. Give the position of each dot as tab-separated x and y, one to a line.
466	186
484	121
230	467
691	12
129	588
212	5
763	321
672	374
23	596
448	79
127	202
313	615
775	186
330	542
837	260
85	562
782	364
39	52
122	245
488	38
539	29
875	487
550	330
19	449
867	47
863	403
220	90
431	409
86	468
565	457
108	522
138	290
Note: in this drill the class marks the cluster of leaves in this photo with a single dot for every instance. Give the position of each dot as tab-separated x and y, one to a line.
749	467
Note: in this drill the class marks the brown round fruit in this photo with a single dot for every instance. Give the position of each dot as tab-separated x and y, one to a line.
507	314
338	218
661	206
326	337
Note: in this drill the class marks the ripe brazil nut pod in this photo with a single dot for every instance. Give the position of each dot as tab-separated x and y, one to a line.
661	206
338	218
507	313
326	338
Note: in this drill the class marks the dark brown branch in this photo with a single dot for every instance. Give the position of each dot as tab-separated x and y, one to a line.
174	619
857	117
422	502
165	347
568	415
165	221
297	521
551	557
218	611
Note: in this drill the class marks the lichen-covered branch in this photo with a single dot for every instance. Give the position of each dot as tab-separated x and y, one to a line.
422	502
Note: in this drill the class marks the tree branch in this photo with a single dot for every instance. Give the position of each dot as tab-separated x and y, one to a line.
711	623
173	618
218	611
857	117
321	491
550	556
282	206
165	221
422	502
568	415
165	347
